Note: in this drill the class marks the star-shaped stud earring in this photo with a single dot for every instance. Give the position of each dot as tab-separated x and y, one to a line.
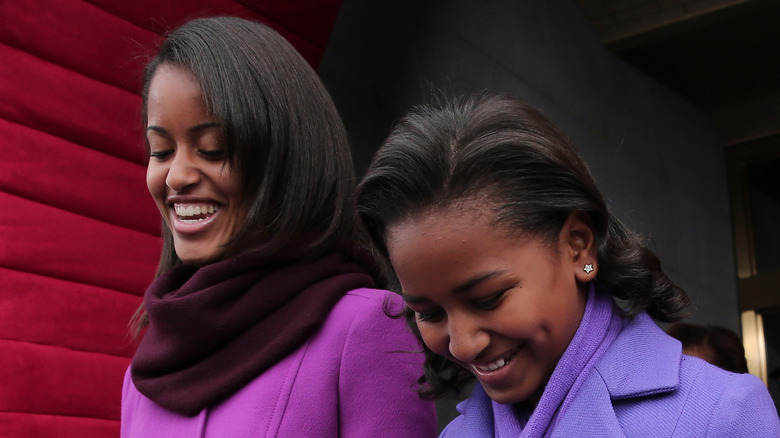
588	268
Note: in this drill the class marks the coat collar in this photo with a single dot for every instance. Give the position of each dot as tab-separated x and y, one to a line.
642	361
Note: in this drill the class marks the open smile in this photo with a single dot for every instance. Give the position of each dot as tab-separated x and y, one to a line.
194	213
492	369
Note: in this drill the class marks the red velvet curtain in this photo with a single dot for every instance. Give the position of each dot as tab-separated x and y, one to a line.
79	235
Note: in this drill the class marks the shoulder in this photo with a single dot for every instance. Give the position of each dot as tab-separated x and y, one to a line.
726	404
652	384
365	321
369	300
367	309
376	316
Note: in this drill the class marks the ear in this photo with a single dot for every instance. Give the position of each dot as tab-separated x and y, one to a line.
579	244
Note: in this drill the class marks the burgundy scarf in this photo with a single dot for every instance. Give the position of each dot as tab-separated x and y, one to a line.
214	329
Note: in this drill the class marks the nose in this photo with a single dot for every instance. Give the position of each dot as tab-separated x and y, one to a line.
183	171
467	338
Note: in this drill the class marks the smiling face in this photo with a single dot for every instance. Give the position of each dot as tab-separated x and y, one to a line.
503	307
197	193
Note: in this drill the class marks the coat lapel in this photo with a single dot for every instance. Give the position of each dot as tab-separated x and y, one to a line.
642	361
476	418
591	413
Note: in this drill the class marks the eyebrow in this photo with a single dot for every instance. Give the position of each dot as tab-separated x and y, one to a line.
461	288
192	129
477	279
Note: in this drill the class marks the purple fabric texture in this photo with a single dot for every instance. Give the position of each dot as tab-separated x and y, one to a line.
599	327
214	329
642	385
354	378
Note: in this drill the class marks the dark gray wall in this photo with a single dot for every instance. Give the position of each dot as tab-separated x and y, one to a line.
655	156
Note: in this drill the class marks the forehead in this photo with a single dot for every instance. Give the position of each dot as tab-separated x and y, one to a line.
173	83
443	244
440	223
439	249
462	215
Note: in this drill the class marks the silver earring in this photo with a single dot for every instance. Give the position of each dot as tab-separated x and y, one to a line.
588	268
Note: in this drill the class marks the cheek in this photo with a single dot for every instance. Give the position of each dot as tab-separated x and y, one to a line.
229	183
155	181
436	338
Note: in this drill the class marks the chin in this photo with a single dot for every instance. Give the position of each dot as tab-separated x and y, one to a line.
504	399
508	397
198	259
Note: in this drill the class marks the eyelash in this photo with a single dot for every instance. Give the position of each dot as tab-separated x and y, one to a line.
160	155
216	154
428	317
492	302
487	304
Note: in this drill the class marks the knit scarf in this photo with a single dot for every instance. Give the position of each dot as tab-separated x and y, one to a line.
215	328
601	324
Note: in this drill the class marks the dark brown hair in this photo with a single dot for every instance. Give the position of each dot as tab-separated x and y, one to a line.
283	134
533	177
284	137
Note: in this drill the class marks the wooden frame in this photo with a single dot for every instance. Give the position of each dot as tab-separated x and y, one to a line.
758	292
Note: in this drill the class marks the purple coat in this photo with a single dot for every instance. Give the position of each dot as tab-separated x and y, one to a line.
643	386
354	378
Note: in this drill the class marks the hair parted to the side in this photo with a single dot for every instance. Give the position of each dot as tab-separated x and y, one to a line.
283	134
509	153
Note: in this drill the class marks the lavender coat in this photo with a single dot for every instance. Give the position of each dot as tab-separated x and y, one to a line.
354	378
644	386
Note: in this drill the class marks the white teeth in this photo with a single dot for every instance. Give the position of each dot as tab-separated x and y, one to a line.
495	365
498	364
194	210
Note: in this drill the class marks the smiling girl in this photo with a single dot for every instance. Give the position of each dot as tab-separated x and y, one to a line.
508	260
263	320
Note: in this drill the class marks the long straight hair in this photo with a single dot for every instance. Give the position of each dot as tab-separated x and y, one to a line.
284	137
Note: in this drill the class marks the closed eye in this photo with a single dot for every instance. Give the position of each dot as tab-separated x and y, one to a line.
161	155
430	316
433	315
491	302
213	154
